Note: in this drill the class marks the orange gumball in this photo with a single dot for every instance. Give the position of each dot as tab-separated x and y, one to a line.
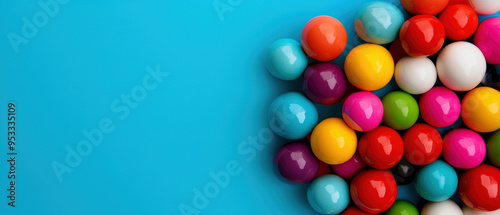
427	7
323	38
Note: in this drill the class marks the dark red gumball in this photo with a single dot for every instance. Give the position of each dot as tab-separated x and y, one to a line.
324	169
460	21
479	188
397	51
423	144
422	35
354	211
381	148
374	191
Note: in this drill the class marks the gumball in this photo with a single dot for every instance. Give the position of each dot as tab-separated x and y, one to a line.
374	191
378	22
350	168
447	207
485	7
354	211
481	109
487	39
369	67
397	51
323	38
324	169
415	75
292	116
490	79
400	110
459	21
440	107
423	144
437	181
362	111
328	194
403	172
285	59
479	188
463	148
493	148
461	66
324	83
422	35
296	163
469	211
429	7
381	148
333	142
402	207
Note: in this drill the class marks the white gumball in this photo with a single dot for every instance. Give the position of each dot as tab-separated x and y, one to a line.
415	75
461	66
469	211
447	207
485	7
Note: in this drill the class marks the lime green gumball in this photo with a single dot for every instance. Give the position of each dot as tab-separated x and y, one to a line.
402	207
400	110
493	148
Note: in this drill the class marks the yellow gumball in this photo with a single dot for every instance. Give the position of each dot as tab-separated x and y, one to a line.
481	109
369	67
333	142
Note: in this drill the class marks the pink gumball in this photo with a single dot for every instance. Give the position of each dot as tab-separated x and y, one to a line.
487	39
363	111
350	168
463	148
440	107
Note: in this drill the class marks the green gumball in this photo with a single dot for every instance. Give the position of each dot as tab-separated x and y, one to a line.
402	207
493	148
400	110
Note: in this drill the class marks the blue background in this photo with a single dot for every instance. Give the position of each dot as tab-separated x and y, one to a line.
199	119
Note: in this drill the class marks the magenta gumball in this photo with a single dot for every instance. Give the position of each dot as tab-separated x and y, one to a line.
363	111
464	148
350	168
296	163
440	107
324	83
487	39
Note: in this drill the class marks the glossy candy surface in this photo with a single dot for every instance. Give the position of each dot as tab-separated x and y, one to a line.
323	38
422	35
447	207
461	66
423	144
402	207
403	172
324	83
328	194
493	148
481	109
362	111
479	188
487	39
381	148
415	75
296	163
333	142
285	59
463	148
460	21
354	211
429	7
292	116
400	110
436	182
350	168
369	67
374	191
469	211
485	7
440	107
378	22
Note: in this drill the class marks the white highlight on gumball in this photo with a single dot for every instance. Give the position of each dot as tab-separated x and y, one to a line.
415	75
469	211
447	207
461	66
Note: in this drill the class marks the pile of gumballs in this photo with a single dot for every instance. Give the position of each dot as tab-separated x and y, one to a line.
438	130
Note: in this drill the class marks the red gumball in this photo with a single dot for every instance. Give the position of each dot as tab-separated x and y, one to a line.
374	191
423	144
324	169
460	21
397	50
429	7
381	148
354	211
422	35
479	188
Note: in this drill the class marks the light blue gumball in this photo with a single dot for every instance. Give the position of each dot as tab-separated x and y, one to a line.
285	59
437	181
328	194
292	116
378	22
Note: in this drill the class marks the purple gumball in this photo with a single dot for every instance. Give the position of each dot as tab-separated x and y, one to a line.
324	83
296	163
